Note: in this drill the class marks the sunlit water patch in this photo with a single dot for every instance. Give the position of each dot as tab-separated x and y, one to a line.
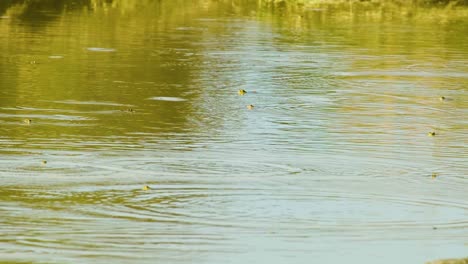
89	103
98	49
166	98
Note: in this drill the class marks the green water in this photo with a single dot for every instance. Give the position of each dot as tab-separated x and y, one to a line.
333	164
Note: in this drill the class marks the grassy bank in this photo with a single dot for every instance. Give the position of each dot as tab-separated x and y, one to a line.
442	11
441	3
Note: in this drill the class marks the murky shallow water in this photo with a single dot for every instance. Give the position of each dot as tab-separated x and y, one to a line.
333	164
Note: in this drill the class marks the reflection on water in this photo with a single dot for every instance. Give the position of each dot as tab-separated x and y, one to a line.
333	163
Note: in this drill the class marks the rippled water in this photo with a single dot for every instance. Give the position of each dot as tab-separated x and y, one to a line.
333	164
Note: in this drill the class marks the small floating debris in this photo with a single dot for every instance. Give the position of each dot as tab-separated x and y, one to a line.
96	49
434	175
33	62
431	134
27	121
250	107
146	188
442	98
242	92
44	162
166	98
55	57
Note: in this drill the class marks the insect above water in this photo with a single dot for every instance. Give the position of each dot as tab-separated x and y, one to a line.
242	92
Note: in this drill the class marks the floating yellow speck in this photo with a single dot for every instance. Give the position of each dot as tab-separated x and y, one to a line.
27	121
146	188
242	92
431	134
44	162
442	98
250	107
434	175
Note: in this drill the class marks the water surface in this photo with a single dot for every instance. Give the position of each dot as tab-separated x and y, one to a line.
333	164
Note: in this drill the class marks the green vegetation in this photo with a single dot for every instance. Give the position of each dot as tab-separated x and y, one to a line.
26	7
443	11
397	2
450	261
